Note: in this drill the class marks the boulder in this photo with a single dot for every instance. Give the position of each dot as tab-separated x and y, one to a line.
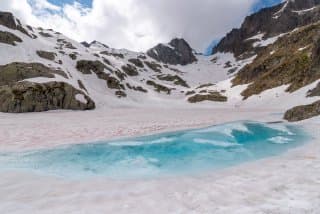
35	97
303	112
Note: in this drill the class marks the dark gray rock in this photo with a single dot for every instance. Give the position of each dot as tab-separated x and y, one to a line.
176	52
23	97
47	55
271	23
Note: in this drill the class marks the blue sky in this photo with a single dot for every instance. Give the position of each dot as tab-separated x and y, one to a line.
87	3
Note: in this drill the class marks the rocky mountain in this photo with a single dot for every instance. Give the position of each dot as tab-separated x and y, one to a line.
41	70
265	26
177	51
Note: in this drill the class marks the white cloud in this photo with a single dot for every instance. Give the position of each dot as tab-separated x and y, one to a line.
136	24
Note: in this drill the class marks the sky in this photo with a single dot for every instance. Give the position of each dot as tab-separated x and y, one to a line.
137	24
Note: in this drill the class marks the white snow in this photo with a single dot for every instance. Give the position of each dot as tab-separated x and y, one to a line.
266	42
278	13
301	12
303	48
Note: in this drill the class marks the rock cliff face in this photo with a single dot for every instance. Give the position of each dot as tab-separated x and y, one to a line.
176	52
270	22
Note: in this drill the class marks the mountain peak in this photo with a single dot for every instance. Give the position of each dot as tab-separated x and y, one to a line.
177	51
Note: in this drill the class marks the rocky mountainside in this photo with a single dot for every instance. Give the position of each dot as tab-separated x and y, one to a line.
258	29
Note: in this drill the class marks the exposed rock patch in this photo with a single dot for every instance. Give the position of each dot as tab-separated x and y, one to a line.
154	66
97	67
175	79
137	88
212	96
9	38
120	94
47	55
130	70
136	62
116	55
159	88
46	35
73	56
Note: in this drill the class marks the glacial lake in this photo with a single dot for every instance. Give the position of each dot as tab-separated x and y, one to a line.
189	152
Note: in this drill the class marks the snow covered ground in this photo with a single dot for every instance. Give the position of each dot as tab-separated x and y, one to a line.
286	184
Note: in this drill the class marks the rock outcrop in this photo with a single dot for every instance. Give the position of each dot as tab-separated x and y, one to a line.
271	22
8	20
303	112
176	52
35	97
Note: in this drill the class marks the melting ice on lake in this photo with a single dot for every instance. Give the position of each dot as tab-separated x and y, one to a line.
168	154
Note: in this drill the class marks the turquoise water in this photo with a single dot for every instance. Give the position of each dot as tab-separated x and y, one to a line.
169	154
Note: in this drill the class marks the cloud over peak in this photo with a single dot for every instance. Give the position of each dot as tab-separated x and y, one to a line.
136	24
